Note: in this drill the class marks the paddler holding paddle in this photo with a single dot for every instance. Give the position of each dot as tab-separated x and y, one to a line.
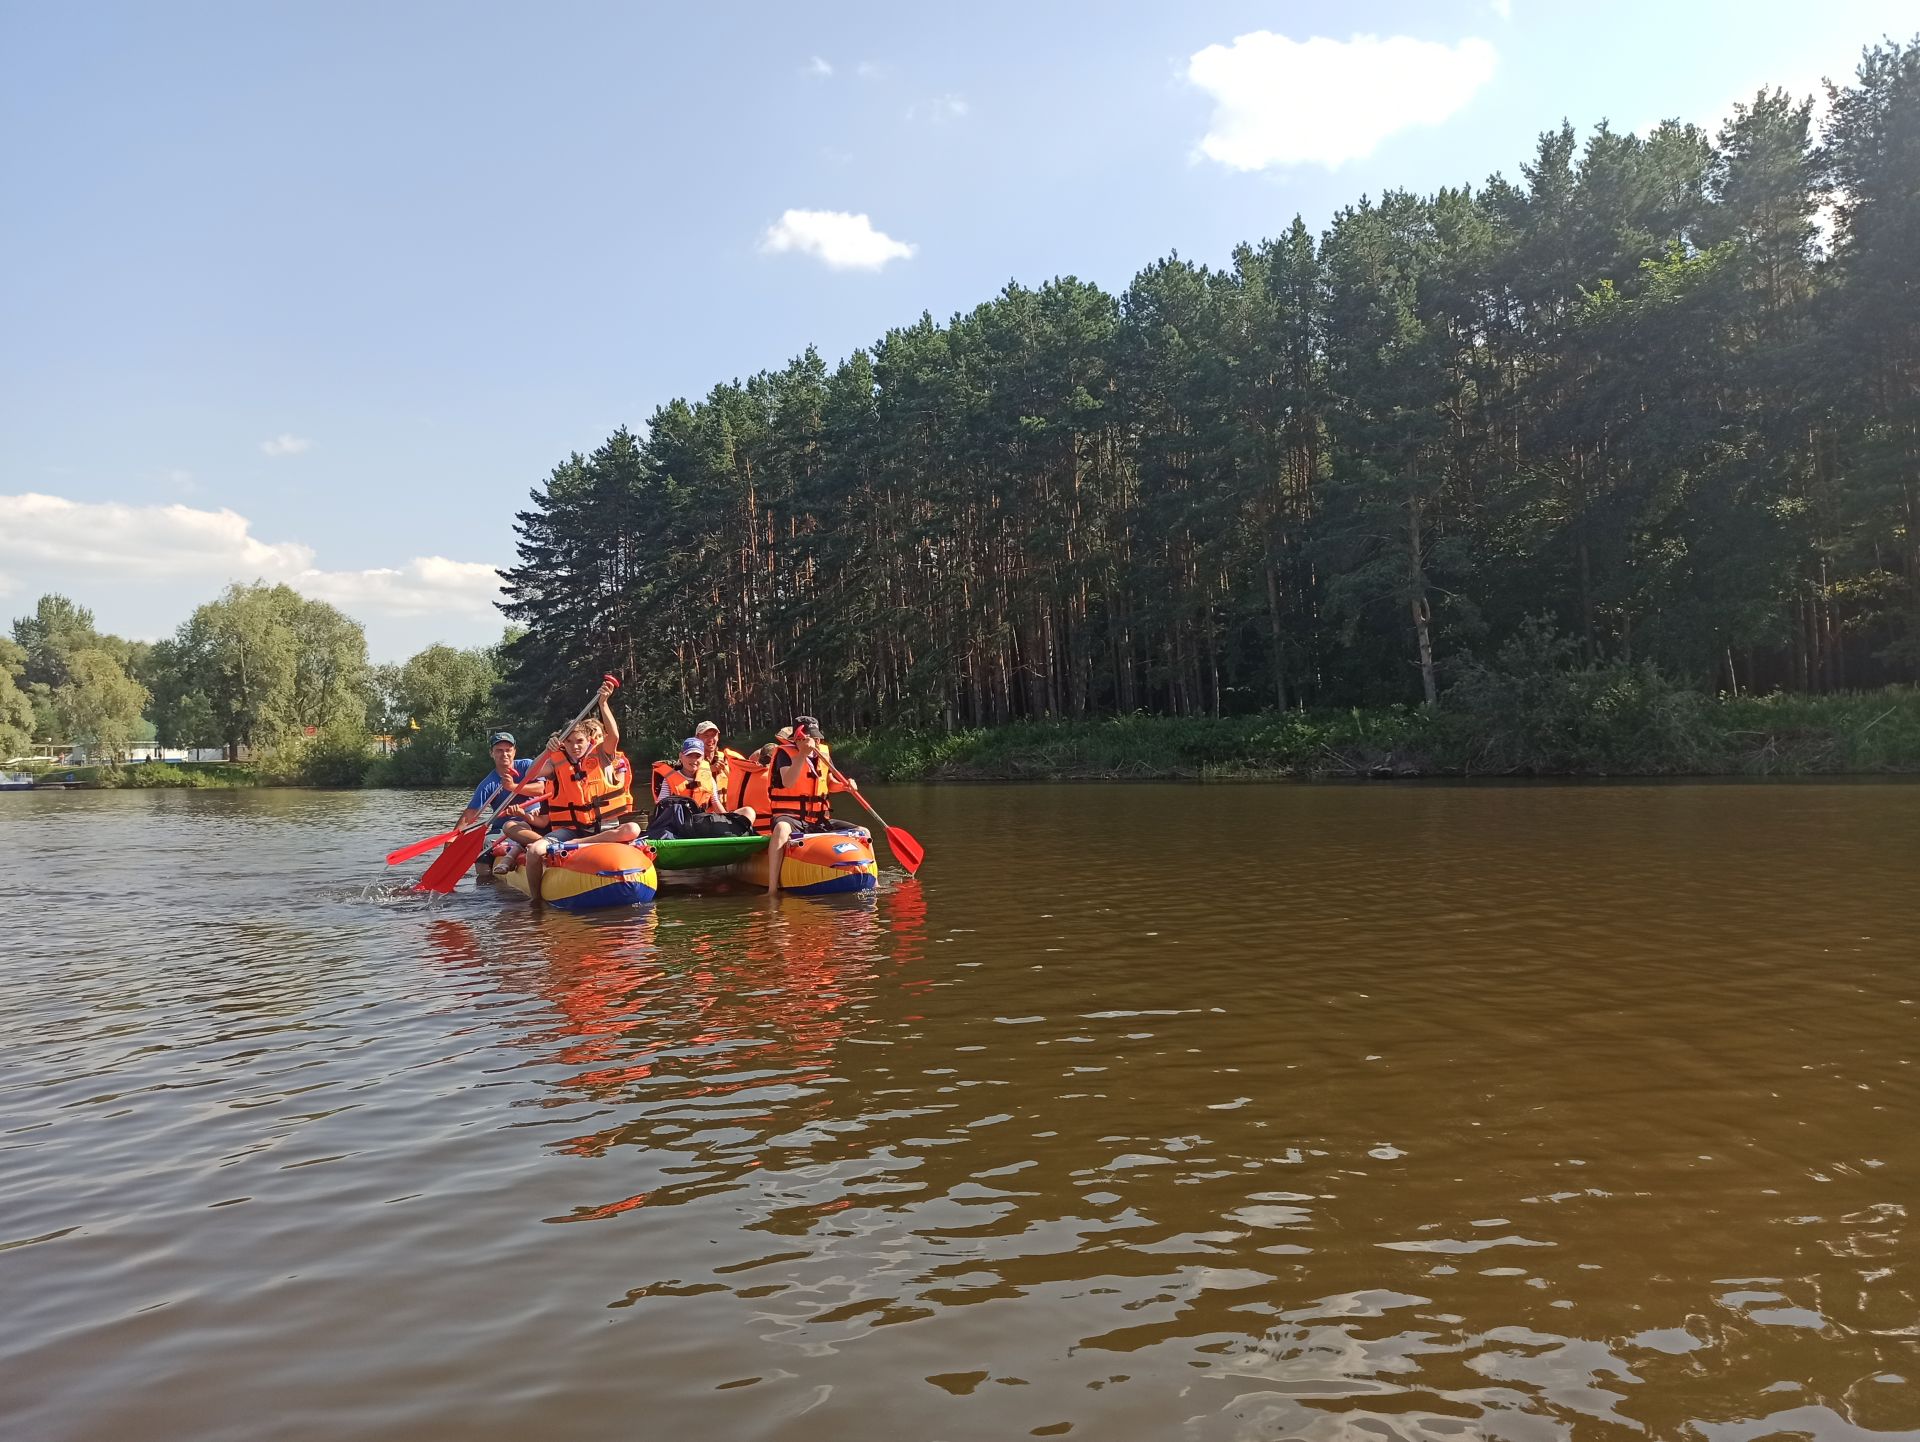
799	783
590	796
508	775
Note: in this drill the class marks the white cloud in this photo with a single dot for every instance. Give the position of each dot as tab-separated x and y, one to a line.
819	67
1502	8
424	586
1278	101
285	445
945	108
869	70
149	541
69	541
843	240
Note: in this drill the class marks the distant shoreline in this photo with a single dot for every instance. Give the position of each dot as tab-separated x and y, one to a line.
1864	734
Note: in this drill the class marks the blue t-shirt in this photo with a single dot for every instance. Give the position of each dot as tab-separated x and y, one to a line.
490	787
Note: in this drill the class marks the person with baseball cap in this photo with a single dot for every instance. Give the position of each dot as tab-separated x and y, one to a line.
509	771
687	801
721	760
800	781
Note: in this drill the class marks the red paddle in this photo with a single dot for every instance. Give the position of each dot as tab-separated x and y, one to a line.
407	853
465	846
452	864
908	852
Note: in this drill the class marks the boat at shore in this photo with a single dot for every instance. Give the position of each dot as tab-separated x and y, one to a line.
16	781
593	877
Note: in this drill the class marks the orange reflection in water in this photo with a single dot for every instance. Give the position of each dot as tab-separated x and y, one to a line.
716	1000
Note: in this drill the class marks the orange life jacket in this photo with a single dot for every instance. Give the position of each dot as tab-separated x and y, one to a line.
749	787
587	796
670	780
726	779
807	800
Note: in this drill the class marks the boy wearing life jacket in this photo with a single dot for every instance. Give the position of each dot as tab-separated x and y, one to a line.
589	795
687	800
799	783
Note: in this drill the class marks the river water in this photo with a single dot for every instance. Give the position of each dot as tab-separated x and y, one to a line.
1148	1112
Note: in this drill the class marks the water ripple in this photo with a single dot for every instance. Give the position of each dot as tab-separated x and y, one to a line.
1346	1113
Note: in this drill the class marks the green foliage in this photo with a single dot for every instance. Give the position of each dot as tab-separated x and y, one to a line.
99	705
160	776
16	709
339	756
257	667
51	636
1859	734
448	688
1537	709
1626	387
1393	741
435	755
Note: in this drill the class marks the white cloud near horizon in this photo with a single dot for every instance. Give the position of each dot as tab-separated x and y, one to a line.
940	109
839	238
285	445
123	543
1278	101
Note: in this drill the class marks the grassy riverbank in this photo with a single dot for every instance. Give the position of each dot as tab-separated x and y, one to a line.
1618	723
157	776
1623	731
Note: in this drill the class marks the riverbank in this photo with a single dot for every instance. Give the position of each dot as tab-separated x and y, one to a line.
1669	734
154	776
1622	731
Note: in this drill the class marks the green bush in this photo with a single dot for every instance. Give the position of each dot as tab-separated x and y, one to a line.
339	756
1535	711
161	776
1861	732
434	756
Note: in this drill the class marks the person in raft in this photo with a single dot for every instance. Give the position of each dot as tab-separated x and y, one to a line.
724	762
508	775
688	801
799	783
763	758
589	792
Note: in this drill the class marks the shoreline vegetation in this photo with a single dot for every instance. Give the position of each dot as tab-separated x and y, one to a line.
1610	468
1625	730
1648	399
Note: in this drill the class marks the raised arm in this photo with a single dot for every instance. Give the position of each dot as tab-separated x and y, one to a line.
612	727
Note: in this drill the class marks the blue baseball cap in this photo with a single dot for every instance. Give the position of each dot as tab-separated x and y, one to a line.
499	736
691	745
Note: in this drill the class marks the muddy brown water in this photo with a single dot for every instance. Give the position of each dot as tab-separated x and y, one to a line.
1149	1112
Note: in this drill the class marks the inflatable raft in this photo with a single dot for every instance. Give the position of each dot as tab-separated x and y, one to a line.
593	876
825	863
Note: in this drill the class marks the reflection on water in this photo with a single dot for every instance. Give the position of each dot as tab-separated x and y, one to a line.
1316	1113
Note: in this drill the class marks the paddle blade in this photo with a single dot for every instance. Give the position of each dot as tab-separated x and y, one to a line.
453	863
407	853
908	852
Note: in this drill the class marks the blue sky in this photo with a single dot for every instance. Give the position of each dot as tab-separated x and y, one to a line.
318	292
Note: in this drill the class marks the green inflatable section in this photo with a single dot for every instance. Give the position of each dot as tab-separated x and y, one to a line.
679	855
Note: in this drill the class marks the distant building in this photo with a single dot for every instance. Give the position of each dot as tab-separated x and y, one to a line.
65	753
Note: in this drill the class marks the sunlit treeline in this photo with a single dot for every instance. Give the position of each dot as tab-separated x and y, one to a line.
1663	392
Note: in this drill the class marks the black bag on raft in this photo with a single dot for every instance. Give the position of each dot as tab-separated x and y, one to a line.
676	819
707	824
